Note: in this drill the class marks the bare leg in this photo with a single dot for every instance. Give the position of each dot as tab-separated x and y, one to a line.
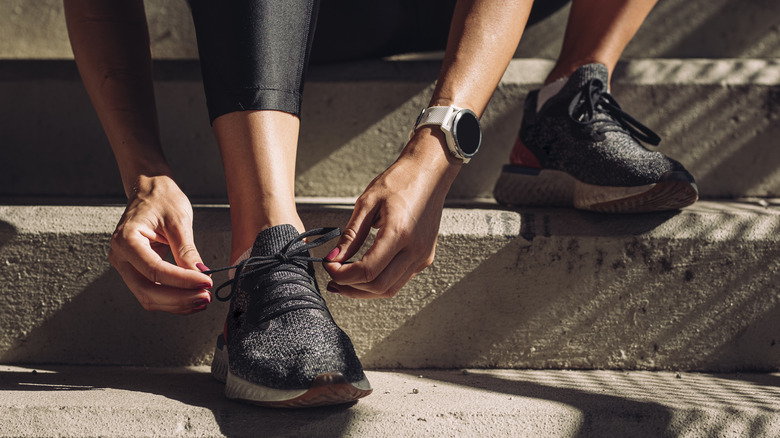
598	31
258	154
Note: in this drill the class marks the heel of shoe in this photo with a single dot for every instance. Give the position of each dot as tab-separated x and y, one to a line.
220	363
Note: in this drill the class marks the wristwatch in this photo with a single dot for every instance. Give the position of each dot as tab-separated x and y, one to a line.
460	127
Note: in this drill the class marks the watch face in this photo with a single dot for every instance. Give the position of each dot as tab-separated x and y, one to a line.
467	133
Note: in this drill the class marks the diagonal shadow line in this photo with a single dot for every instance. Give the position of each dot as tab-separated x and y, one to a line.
192	388
550	320
481	305
611	415
722	18
603	415
7	232
103	323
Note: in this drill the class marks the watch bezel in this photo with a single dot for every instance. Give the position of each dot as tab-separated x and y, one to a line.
456	120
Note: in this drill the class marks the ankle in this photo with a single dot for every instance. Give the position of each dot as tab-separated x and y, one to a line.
564	69
246	229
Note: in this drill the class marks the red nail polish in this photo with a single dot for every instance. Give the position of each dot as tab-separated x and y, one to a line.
202	267
333	253
330	288
204	285
200	302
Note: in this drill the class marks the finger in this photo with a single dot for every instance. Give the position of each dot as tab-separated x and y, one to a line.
374	262
355	233
388	277
182	245
159	297
356	291
138	252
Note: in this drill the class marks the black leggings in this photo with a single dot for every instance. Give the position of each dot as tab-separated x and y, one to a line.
254	53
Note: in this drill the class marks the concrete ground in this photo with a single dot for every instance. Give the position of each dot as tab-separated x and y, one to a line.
111	401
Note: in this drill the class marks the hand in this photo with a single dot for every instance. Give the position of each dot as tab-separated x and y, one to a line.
158	217
405	203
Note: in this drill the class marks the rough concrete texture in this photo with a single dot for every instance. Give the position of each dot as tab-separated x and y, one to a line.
35	29
719	118
84	401
694	290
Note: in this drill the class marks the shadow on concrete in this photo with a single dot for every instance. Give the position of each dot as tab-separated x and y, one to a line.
7	232
197	389
104	324
725	29
589	291
76	308
603	415
608	415
726	139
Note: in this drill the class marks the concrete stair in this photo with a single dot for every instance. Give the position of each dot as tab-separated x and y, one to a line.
114	402
516	296
534	288
719	117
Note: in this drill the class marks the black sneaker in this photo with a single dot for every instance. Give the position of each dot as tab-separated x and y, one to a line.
281	347
581	149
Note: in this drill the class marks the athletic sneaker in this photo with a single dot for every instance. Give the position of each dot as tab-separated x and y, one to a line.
280	346
581	149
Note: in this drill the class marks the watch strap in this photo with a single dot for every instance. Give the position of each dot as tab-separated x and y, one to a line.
436	115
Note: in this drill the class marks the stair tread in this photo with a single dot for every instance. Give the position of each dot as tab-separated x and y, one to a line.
118	401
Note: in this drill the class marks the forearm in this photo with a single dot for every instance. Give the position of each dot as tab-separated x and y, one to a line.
110	43
483	38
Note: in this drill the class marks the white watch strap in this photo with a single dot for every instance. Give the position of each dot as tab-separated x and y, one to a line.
437	115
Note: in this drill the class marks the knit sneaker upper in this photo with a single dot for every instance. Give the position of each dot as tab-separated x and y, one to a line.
583	131
279	331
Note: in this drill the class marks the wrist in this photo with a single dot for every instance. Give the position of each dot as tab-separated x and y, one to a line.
138	174
146	184
462	132
428	148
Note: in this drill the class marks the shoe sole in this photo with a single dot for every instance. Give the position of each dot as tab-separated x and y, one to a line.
525	187
326	389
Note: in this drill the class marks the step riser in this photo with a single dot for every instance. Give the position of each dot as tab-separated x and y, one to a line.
536	289
720	119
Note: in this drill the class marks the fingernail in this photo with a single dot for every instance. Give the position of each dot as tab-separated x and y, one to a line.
333	253
200	302
330	288
204	285
202	267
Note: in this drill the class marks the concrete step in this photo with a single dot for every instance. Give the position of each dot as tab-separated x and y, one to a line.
35	29
718	117
536	288
109	401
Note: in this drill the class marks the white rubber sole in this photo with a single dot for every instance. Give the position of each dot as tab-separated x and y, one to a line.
553	188
326	389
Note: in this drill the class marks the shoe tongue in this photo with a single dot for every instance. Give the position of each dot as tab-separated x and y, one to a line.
271	240
583	75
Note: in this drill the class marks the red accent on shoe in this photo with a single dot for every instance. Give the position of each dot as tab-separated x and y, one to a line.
521	156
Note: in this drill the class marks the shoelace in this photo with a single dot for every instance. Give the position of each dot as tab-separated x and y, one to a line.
289	260
591	98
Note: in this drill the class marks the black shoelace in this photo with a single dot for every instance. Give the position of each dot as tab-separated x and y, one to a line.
591	99
293	260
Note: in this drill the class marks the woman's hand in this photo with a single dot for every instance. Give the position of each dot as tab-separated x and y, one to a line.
405	203
158	217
